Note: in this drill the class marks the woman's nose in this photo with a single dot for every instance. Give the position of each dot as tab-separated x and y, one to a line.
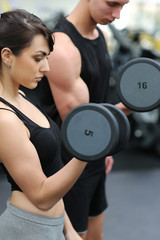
45	66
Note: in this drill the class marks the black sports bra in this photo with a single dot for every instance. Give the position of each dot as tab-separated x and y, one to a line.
47	142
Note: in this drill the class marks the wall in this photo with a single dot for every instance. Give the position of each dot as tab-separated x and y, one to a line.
43	9
138	14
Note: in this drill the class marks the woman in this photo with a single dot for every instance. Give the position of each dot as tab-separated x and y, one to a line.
30	141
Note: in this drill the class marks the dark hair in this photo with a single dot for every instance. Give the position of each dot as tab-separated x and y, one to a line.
17	29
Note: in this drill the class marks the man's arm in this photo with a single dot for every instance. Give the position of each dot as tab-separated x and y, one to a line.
69	231
67	87
119	105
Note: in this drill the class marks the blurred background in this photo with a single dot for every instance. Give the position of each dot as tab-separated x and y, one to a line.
133	185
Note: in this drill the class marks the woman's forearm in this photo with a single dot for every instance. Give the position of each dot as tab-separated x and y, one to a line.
56	186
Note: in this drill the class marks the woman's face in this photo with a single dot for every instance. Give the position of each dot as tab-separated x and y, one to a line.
29	67
105	11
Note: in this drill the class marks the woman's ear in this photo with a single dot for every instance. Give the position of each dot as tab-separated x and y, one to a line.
6	56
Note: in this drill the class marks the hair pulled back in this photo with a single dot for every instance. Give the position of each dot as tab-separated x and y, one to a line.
18	28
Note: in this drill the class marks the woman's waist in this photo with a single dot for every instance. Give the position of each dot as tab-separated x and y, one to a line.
20	200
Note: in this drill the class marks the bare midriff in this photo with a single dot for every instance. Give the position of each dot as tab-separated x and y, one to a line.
19	199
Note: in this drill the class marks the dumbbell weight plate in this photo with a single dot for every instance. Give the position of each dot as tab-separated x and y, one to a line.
90	132
124	127
138	84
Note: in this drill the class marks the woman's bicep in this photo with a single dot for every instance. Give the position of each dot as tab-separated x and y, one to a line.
20	158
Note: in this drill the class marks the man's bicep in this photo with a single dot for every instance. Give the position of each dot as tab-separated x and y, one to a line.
67	87
69	97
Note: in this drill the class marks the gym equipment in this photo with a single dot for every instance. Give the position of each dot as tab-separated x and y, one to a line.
124	127
138	84
92	131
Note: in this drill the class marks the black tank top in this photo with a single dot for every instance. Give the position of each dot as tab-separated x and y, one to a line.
95	72
96	63
47	142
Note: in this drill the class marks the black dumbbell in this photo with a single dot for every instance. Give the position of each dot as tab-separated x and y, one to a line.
123	125
138	84
92	131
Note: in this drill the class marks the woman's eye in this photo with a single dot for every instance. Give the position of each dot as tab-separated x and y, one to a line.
38	59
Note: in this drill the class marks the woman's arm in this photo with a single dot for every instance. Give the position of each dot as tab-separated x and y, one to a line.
20	158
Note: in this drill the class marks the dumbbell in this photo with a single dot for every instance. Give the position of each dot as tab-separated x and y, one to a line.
138	84
123	126
94	131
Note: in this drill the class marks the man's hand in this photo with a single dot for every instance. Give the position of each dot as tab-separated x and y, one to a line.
73	235
109	163
69	231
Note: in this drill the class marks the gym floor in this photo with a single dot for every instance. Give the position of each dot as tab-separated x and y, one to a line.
133	195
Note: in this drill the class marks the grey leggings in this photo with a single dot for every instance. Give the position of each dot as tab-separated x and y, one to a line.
17	224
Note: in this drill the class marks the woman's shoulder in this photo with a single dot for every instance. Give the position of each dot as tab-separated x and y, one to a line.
8	118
